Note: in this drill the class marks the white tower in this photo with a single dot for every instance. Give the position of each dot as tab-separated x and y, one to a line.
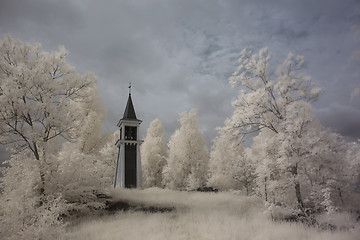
128	165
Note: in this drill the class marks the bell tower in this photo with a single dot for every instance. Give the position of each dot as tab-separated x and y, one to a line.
128	164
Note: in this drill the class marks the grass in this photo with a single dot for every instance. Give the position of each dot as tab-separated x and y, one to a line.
197	216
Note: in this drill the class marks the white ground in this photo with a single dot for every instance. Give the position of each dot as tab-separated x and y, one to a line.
199	216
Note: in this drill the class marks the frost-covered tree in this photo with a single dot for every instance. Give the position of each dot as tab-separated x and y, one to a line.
224	155
187	163
90	126
82	168
39	96
351	176
323	171
264	152
79	176
299	163
334	172
278	103
153	155
42	99
22	215
265	98
85	165
228	167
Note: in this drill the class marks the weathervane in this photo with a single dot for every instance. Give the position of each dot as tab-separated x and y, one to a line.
129	88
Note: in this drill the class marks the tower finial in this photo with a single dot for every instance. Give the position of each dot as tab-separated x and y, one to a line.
129	88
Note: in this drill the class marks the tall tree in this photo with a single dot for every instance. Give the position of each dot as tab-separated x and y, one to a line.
153	155
39	96
42	99
188	155
277	103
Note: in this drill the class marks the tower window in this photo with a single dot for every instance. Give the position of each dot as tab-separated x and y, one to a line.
130	133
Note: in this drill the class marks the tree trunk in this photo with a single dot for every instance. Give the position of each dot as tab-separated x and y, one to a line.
42	174
298	195
247	189
340	196
297	187
265	186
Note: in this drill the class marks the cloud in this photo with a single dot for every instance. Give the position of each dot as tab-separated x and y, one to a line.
179	54
48	19
343	119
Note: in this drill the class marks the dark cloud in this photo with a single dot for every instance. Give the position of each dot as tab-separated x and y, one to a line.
48	20
179	54
342	119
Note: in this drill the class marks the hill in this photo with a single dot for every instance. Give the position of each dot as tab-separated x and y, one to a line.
164	214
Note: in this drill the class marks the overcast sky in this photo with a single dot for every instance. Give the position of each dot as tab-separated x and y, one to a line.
179	54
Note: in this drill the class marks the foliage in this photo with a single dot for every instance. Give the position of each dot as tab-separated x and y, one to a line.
228	166
153	155
80	177
84	168
22	215
188	155
42	98
298	161
265	102
39	93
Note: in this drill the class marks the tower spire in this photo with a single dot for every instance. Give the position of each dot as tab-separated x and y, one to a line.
129	113
128	164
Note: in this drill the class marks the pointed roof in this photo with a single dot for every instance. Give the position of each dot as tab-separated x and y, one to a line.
129	110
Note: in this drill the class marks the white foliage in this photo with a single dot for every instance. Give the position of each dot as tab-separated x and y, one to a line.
228	167
153	155
318	160
263	101
296	158
188	155
85	166
41	99
80	176
39	92
91	139
24	215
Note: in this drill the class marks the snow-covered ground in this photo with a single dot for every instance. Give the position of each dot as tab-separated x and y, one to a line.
199	216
